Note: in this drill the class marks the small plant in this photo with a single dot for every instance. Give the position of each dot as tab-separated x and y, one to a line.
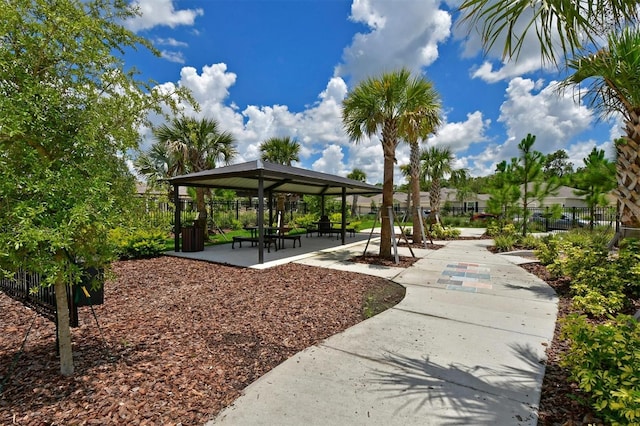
603	360
529	242
548	250
136	244
598	290
440	233
306	221
505	242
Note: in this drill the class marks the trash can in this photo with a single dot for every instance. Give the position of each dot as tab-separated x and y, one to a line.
192	238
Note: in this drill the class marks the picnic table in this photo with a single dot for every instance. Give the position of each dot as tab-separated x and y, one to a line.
279	233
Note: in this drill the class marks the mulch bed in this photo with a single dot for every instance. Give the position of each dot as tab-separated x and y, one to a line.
177	341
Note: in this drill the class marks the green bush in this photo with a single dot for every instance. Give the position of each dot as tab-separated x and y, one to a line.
575	258
599	290
529	242
505	242
440	233
548	250
495	228
136	244
628	263
306	221
604	360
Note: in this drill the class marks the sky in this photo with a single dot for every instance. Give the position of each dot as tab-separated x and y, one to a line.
276	68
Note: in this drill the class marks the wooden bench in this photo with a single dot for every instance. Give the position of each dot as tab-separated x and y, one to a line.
268	240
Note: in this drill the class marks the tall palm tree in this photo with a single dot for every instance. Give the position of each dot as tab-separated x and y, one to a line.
360	176
562	24
416	124
613	77
280	150
189	145
379	104
437	163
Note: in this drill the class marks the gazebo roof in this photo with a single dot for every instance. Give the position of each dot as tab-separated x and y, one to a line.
275	178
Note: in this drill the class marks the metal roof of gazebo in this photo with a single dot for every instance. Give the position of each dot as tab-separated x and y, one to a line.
274	178
263	177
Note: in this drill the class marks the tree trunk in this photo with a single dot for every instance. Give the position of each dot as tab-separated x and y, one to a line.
434	200
280	209
387	201
628	174
202	213
64	330
415	191
354	206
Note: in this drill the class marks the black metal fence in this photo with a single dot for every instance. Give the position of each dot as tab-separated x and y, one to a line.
26	287
240	212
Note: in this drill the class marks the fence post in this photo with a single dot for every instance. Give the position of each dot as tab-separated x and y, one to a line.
546	219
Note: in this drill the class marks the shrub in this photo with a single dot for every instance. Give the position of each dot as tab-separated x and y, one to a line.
136	244
598	290
307	220
604	360
575	258
548	250
505	242
441	233
529	242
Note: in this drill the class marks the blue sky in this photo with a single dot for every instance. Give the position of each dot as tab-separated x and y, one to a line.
265	68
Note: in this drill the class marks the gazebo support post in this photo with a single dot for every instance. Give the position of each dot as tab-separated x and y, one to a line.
344	215
177	226
261	218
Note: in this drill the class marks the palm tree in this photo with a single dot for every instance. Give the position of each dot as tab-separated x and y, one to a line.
360	176
155	164
613	74
188	145
436	163
557	23
283	151
415	124
379	104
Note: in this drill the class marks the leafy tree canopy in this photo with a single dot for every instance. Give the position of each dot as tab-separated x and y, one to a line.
69	113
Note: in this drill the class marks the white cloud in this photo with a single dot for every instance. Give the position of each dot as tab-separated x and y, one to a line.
527	60
161	12
170	42
173	56
552	117
402	34
331	161
460	135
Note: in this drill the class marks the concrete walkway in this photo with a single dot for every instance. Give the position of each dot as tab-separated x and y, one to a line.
465	347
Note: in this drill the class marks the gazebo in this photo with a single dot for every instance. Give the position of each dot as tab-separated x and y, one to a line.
261	177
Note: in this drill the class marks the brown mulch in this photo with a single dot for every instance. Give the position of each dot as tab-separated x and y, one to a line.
183	338
177	341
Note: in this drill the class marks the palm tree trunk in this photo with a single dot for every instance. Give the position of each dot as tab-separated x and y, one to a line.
434	200
354	206
202	212
387	201
415	191
628	174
